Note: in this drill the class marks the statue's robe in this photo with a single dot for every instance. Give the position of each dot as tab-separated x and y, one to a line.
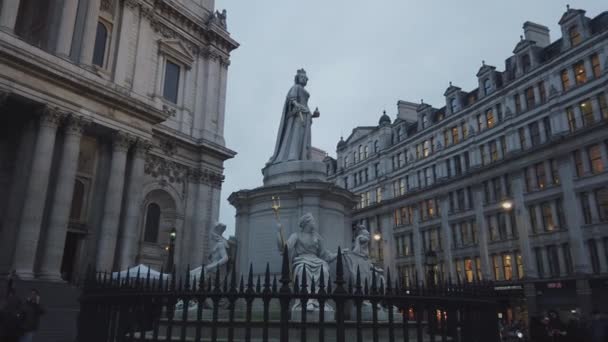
293	139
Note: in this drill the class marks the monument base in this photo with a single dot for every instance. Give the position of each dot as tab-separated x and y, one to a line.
294	171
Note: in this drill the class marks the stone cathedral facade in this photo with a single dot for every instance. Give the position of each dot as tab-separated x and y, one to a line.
111	132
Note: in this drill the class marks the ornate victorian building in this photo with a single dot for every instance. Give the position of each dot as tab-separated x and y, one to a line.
111	132
506	182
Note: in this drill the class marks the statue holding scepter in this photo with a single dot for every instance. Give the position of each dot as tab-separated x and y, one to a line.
293	139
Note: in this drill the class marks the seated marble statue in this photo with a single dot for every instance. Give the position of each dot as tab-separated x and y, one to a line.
306	252
358	257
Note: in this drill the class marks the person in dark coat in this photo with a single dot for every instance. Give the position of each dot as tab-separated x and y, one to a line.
31	320
538	330
11	317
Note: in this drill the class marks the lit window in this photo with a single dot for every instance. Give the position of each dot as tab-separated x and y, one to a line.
478	268
508	266
595	159
468	269
490	118
497	270
580	76
548	222
427	148
171	86
575	35
520	266
152	223
487	86
101	43
595	65
565	80
587	111
455	135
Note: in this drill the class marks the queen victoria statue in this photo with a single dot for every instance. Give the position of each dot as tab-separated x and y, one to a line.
293	139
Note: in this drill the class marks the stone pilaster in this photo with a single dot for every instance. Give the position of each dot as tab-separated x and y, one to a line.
62	200
66	28
111	214
574	219
35	194
133	198
8	15
522	222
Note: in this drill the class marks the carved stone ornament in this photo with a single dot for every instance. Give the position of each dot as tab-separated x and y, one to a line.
169	110
141	148
121	141
51	116
168	147
131	3
76	124
165	169
107	6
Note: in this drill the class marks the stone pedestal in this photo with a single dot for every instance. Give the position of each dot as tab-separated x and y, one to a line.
302	188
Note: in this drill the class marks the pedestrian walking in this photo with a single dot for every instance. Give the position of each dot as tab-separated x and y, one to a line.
32	312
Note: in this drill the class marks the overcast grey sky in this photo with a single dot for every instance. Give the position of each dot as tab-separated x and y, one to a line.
361	57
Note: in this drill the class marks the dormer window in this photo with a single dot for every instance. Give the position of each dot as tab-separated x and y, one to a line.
575	36
453	107
525	63
399	134
376	146
424	121
487	86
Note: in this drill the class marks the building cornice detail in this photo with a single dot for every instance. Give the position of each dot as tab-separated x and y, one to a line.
170	171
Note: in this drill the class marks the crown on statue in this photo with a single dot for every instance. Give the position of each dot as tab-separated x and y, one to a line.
301	72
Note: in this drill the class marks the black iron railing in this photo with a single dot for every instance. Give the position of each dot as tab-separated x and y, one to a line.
140	308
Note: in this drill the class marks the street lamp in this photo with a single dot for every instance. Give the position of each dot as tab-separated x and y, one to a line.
172	237
431	263
377	236
507	205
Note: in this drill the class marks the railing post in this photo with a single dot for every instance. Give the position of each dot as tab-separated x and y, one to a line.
284	295
339	298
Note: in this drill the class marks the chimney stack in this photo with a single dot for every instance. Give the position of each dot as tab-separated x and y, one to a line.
537	33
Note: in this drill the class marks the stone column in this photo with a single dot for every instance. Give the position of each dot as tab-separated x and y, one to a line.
90	31
522	222
574	219
53	248
8	15
111	212
585	160
482	231
130	225
66	28
447	238
35	195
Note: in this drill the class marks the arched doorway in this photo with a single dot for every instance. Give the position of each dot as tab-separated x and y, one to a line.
159	215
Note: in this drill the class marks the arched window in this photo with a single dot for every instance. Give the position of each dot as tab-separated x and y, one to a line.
361	156
101	40
376	146
77	200
365	151
487	86
152	223
453	105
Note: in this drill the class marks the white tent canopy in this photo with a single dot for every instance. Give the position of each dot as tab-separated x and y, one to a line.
143	273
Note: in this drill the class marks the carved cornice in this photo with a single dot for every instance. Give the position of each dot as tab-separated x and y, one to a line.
206	176
141	148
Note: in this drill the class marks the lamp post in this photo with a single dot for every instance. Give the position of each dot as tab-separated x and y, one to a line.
170	257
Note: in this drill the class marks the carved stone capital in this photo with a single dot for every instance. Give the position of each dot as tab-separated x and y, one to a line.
165	170
76	124
224	62
121	141
131	3
51	117
141	148
147	12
